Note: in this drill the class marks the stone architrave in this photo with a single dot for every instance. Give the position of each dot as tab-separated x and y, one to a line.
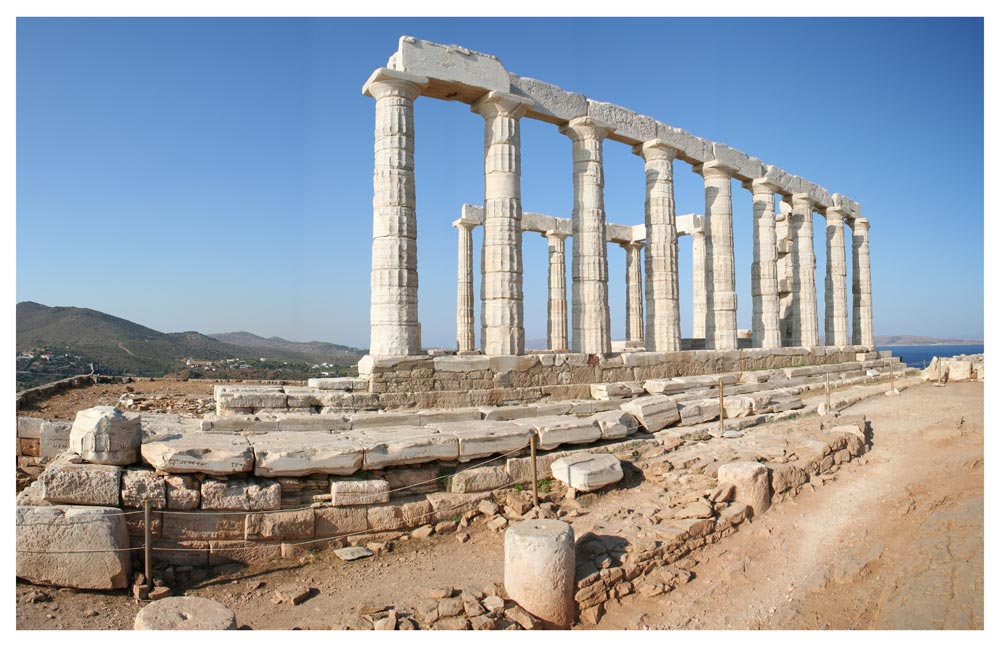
558	335
633	292
502	272
864	333
764	272
591	317
466	309
663	327
836	280
720	282
699	287
805	322
395	327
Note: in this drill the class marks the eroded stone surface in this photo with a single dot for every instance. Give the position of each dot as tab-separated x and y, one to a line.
187	612
298	453
81	484
481	438
105	435
558	430
213	454
588	472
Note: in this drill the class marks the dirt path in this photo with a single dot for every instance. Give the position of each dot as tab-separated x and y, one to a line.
894	542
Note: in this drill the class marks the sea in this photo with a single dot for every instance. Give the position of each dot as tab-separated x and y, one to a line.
919	356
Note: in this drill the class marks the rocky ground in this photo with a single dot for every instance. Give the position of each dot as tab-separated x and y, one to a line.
158	395
892	540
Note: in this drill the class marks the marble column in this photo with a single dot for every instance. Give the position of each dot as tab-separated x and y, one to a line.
699	285
805	322
395	325
766	324
591	318
633	293
466	312
720	302
864	332
663	321
502	273
557	330
836	280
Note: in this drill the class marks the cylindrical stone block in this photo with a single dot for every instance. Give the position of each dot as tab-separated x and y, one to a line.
188	612
540	569
836	280
864	332
720	267
753	485
805	331
764	271
465	315
558	336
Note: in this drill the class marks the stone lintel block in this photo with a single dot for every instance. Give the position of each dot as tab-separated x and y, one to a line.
508	413
188	453
549	102
606	391
299	453
467	414
139	486
29	427
461	363
499	363
403	445
480	479
54	439
630	127
202	527
334	522
450	64
311	422
368	420
654	412
346	492
691	149
481	438
615	424
743	166
553	431
337	384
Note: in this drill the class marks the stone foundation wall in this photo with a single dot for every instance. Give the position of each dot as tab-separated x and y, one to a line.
480	380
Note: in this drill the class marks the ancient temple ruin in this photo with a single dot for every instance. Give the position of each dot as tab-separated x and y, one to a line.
783	269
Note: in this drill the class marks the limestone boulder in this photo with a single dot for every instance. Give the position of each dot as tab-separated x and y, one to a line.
695	412
588	472
404	445
298	453
615	424
81	484
959	369
187	612
480	479
47	537
482	438
751	481
190	453
553	431
654	412
104	435
610	390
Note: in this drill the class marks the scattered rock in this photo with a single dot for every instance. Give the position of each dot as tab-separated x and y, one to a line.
293	594
448	607
452	624
462	537
439	594
493	603
352	553
423	532
387	623
483	623
159	593
522	617
497	524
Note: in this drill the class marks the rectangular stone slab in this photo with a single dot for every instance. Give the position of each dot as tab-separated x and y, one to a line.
403	445
82	484
558	430
481	438
213	454
298	453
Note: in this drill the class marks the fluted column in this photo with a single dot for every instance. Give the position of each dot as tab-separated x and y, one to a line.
766	324
720	329
591	318
502	293
805	322
699	285
633	292
836	279
557	330
864	331
663	321
466	313
395	325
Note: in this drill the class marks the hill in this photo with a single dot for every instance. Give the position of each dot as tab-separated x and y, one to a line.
310	351
919	340
72	338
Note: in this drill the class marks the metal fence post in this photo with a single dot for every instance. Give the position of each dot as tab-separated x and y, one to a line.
534	470
722	408
147	511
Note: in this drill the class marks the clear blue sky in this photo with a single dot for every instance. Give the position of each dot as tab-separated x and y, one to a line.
216	174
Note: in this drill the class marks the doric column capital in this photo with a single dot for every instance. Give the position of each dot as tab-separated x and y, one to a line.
655	149
860	224
835	214
495	103
386	83
581	128
465	224
761	186
713	169
801	201
555	234
632	244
